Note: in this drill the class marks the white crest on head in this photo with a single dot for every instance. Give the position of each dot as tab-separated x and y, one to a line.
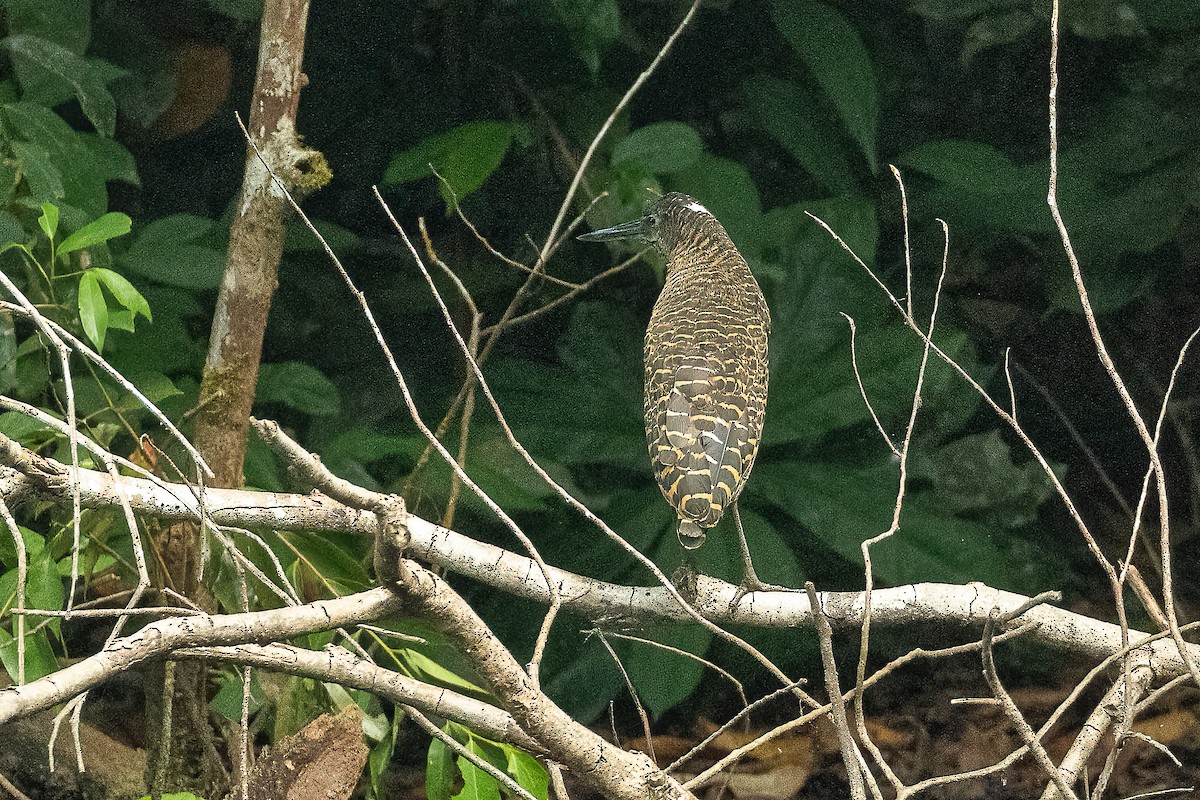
694	206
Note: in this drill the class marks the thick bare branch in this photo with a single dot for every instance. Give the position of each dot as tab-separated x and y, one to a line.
605	767
968	606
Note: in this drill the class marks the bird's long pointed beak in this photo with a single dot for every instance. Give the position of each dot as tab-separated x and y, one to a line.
636	229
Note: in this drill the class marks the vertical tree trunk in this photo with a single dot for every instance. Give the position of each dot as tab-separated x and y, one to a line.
189	758
256	241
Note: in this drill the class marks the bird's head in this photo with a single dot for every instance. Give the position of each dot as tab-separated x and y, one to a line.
672	219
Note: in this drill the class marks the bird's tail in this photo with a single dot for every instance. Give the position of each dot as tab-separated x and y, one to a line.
691	535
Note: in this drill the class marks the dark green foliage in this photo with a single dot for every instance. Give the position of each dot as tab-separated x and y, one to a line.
767	112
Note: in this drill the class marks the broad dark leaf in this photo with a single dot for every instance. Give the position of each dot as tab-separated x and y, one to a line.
86	77
663	147
834	53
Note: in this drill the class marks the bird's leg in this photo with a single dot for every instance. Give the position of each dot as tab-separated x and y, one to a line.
750	580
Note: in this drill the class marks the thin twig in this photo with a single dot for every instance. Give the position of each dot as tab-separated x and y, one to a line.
1089	314
571	295
901	487
913	655
1076	437
679	651
402	384
477	374
547	248
862	390
837	703
637	701
1014	714
729	723
459	749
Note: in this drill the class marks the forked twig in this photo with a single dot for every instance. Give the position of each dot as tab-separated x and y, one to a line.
1030	739
637	701
1150	441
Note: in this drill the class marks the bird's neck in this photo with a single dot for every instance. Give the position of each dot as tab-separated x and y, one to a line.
711	260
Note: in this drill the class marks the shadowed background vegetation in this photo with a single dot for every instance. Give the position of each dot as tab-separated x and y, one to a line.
765	111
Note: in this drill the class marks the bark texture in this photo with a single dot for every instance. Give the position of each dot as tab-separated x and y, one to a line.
183	750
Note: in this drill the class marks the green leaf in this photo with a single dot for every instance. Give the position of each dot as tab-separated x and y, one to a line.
39	655
154	385
592	25
1000	28
477	784
120	319
43	590
178	250
970	165
783	110
299	386
602	388
109	226
662	679
810	342
721	555
43	586
55	161
299	239
332	562
841	504
380	757
187	266
110	158
844	504
176	228
65	22
663	147
38	170
129	297
976	474
28	431
527	772
228	700
93	309
11	231
464	157
48	221
82	75
932	545
837	58
441	773
425	669
979	189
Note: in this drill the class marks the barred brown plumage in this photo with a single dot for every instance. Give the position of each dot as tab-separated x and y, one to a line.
706	365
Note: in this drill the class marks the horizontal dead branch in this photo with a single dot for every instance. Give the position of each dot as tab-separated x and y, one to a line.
338	665
966	606
160	638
